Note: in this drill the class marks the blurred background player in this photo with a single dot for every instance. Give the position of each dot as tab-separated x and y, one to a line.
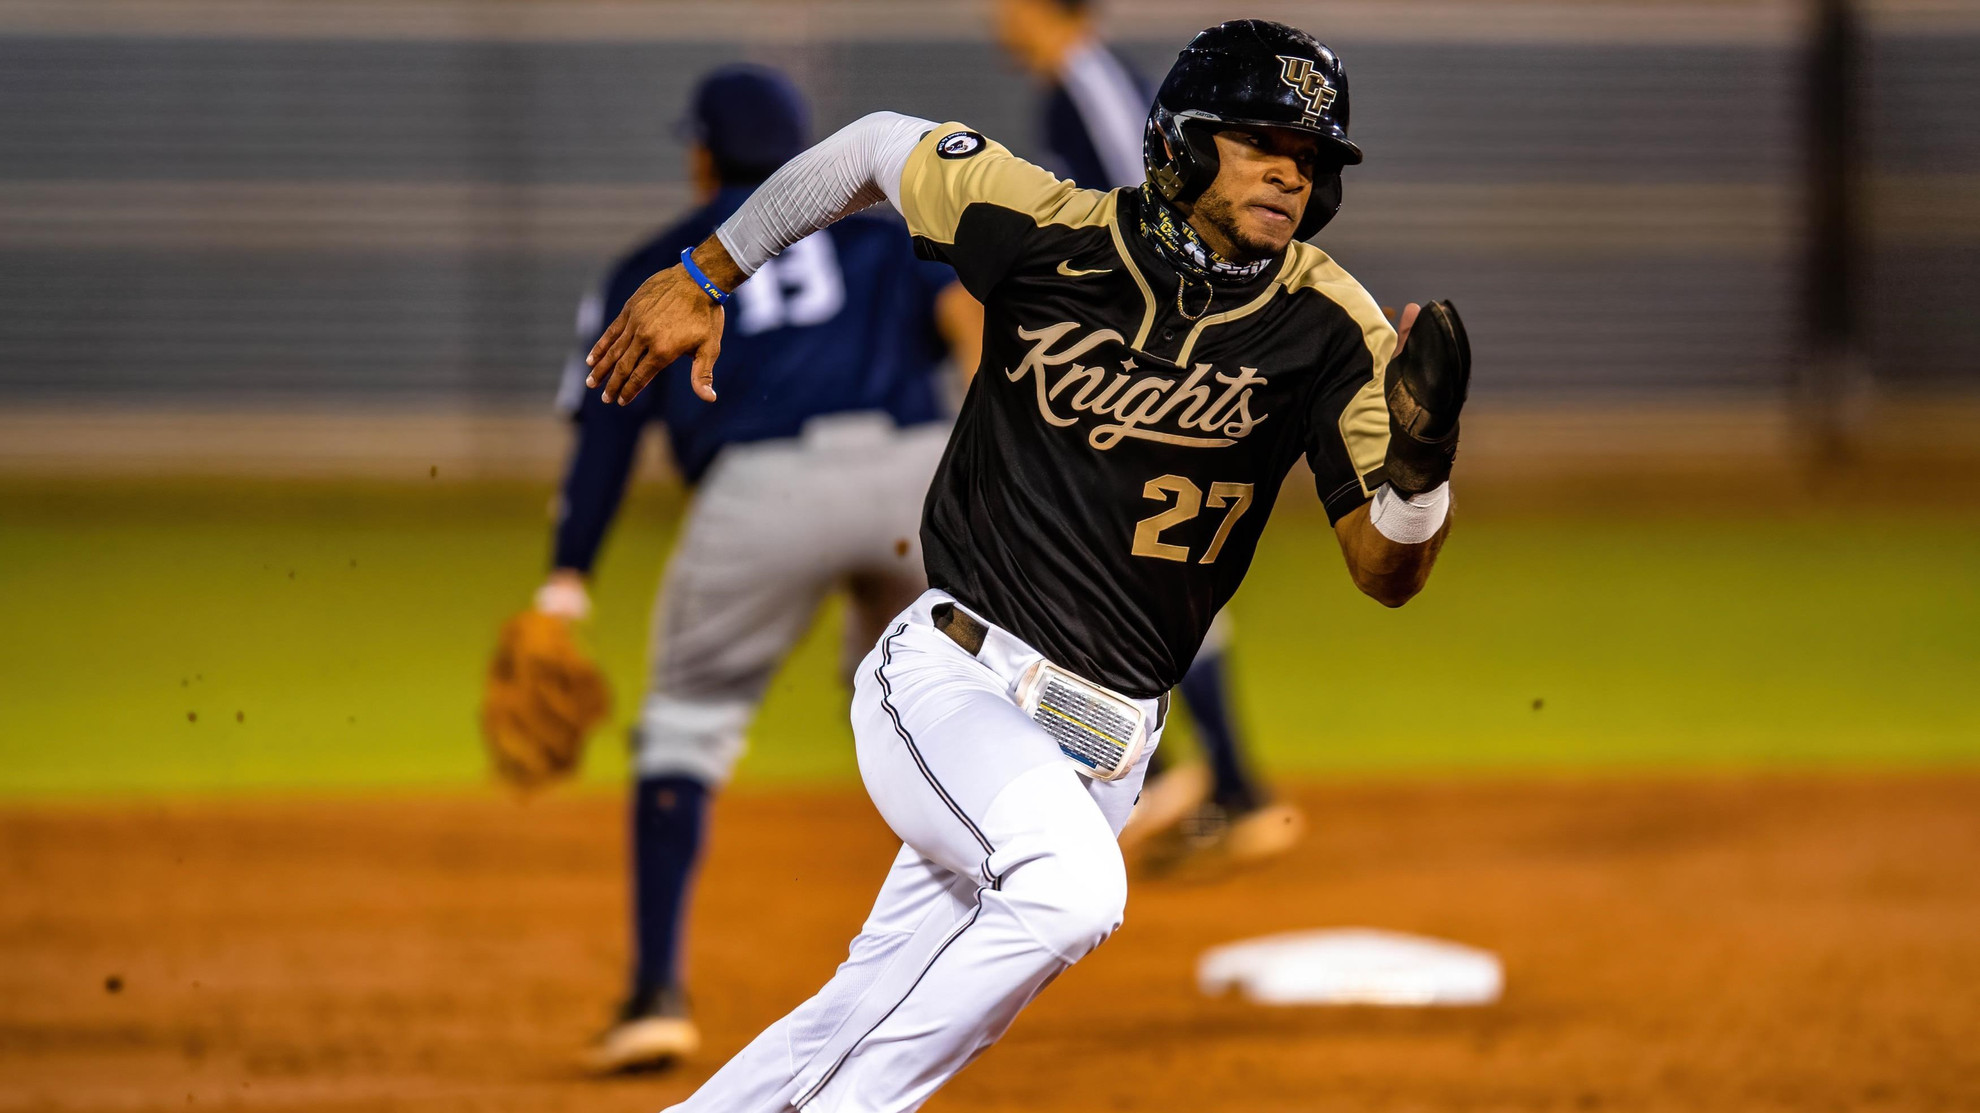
1192	815
1097	102
808	475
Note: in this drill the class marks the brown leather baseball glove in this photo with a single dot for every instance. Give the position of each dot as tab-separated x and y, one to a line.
544	695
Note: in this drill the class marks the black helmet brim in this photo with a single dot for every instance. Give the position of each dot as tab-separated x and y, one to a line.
1333	140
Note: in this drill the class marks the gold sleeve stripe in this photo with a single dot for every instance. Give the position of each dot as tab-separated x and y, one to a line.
936	190
1365	422
1365	430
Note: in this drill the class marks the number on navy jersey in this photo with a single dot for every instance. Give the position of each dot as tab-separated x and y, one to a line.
803	286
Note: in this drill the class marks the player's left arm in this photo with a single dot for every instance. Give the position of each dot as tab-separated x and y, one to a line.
1389	572
1391	541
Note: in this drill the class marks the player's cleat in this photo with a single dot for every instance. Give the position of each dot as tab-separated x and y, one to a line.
1264	832
1165	802
653	1031
1211	841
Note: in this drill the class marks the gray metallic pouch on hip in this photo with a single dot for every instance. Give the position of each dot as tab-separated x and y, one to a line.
1101	731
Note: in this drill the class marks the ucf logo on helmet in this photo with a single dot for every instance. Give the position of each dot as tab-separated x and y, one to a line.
1310	84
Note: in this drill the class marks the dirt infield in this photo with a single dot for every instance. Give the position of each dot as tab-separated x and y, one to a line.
1684	945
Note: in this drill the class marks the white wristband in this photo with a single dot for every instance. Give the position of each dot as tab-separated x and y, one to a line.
1412	520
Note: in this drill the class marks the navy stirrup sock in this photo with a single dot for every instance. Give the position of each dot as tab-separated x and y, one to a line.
667	816
1204	690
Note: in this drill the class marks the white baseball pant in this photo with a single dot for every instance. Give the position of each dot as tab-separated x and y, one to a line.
1009	873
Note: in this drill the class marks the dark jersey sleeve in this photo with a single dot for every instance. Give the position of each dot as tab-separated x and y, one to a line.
974	205
607	435
1347	435
595	481
934	278
931	278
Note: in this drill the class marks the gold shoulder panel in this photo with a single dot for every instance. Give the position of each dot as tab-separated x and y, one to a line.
1365	422
936	190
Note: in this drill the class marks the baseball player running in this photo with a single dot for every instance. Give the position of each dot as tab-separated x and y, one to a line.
809	473
1154	362
1216	812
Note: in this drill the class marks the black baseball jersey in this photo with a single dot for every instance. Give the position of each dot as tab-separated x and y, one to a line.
1116	458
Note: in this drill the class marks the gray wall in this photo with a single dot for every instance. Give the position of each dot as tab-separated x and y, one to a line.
340	219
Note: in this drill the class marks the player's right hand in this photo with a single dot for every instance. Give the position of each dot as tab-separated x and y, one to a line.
666	318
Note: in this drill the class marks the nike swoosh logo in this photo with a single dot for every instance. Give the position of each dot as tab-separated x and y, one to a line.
1066	269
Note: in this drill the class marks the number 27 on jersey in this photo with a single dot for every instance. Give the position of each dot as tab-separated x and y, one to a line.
1232	498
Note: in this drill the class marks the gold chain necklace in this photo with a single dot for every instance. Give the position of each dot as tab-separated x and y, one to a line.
1211	295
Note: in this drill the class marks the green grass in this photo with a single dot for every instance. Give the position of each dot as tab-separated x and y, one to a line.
347	627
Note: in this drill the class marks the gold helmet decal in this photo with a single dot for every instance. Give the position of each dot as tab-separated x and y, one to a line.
1310	84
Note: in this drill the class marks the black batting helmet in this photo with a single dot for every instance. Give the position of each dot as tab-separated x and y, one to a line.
1250	73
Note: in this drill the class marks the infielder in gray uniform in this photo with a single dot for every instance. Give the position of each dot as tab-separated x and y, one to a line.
808	477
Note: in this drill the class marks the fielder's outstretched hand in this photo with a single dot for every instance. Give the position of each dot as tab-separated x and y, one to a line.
666	318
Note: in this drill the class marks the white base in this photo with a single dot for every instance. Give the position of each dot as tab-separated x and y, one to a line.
1351	966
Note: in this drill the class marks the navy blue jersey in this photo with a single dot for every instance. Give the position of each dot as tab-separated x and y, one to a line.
842	321
1094	118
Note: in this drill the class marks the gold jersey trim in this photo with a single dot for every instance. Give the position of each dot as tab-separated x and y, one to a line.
935	191
1147	292
1364	424
1245	310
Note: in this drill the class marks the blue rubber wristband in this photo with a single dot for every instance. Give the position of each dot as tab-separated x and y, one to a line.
715	293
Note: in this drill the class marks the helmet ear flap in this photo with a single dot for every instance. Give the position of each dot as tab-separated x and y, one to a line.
1322	203
1202	147
1181	162
1157	159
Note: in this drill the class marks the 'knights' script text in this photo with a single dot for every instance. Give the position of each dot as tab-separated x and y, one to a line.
1208	409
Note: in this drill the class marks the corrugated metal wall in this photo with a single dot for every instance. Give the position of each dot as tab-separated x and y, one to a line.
333	218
